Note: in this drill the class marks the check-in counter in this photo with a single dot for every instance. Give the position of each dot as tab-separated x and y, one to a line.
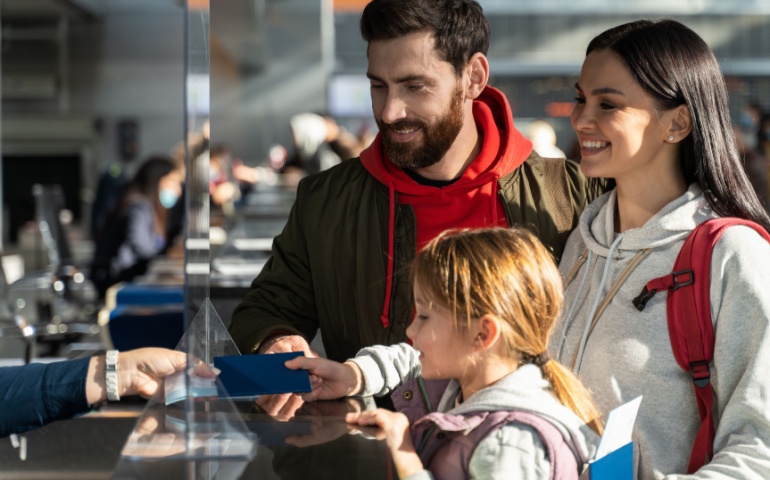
315	443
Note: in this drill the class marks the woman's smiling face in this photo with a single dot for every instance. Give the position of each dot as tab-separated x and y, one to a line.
622	132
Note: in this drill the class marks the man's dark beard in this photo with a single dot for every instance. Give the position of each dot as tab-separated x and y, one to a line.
436	139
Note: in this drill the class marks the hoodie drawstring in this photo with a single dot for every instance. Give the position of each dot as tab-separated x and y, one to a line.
603	282
391	251
573	307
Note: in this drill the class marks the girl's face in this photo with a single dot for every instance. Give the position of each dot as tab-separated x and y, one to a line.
444	351
621	132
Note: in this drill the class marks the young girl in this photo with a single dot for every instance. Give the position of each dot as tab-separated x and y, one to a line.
486	301
652	114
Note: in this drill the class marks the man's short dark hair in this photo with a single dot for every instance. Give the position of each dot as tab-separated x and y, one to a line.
459	27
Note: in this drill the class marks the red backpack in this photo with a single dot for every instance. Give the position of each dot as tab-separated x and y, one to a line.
690	327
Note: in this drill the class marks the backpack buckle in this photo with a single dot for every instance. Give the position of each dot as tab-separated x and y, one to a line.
688	281
701	374
641	300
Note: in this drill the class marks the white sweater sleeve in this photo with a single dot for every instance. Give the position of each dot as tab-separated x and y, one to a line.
740	306
385	368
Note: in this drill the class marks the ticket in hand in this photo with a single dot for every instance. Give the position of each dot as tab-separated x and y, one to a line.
261	374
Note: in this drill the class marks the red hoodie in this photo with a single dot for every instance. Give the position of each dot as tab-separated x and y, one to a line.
471	201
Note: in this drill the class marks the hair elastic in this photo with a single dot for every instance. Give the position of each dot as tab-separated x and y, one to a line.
542	359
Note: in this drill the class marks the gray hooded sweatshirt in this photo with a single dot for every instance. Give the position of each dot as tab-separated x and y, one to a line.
628	353
511	452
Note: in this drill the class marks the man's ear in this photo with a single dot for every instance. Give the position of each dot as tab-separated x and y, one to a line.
681	123
487	331
477	72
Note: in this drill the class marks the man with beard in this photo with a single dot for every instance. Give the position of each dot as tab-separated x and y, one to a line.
447	156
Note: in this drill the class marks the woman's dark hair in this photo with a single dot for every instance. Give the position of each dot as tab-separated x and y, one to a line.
674	65
459	27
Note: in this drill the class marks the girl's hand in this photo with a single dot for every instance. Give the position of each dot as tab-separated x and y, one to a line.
329	379
395	430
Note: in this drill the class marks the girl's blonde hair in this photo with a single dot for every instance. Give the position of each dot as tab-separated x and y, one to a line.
507	273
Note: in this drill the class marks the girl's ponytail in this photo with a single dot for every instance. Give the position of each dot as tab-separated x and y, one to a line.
572	394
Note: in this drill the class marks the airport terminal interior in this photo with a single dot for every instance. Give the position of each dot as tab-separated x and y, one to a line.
240	99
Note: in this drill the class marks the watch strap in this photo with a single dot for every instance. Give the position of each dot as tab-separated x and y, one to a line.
111	375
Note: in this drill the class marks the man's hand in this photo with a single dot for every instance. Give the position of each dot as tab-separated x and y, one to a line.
284	405
329	379
287	343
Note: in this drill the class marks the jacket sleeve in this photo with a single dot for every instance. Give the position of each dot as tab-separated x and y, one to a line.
513	451
385	368
282	298
740	306
35	394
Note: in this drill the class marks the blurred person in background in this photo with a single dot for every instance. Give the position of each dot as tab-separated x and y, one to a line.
319	143
754	162
229	179
135	231
543	138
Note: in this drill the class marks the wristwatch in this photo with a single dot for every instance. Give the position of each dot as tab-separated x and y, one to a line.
111	375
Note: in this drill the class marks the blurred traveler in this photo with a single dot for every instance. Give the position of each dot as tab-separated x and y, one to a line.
320	143
543	138
135	232
108	189
756	166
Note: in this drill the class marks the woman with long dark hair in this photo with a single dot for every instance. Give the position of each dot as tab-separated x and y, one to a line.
135	231
651	113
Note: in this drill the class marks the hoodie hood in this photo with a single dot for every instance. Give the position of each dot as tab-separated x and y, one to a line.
526	389
672	223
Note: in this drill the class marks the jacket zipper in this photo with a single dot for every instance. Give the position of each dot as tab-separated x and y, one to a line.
507	211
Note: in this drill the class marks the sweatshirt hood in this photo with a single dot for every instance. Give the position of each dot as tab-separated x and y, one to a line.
526	389
503	149
671	224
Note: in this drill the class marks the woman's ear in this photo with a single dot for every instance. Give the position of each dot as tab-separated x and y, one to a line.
681	123
488	330
477	71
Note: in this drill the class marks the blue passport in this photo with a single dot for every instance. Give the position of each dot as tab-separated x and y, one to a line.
265	374
618	465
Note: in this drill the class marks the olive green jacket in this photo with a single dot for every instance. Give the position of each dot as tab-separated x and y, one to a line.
328	266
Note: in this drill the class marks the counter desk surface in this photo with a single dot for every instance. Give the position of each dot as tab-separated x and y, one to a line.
313	443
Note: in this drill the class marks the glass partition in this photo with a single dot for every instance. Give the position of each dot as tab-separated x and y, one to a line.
194	424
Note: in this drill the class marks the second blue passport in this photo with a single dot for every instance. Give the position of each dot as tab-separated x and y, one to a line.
252	375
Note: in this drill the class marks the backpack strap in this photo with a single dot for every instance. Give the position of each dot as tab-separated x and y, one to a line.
690	326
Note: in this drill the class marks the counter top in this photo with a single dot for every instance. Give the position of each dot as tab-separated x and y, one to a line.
312	443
